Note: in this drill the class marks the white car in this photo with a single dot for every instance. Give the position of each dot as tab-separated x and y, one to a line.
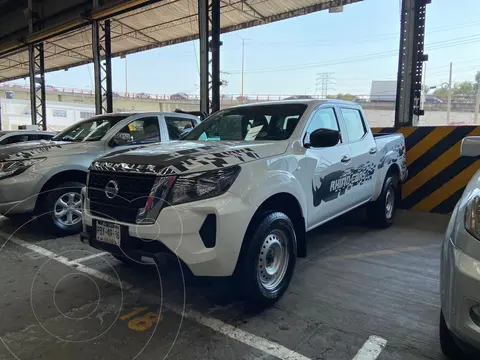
237	194
460	270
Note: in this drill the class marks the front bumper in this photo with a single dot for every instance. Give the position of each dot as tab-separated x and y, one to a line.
460	291
186	230
18	193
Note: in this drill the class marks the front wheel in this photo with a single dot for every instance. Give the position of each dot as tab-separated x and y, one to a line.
266	268
61	210
381	212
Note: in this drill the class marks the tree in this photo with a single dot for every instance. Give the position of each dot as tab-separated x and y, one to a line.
477	79
347	97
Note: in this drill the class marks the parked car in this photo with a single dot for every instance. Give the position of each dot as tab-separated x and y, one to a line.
236	196
143	95
432	100
460	270
299	97
16	136
179	96
44	178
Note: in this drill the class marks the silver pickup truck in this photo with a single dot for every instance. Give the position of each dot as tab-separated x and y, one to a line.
44	178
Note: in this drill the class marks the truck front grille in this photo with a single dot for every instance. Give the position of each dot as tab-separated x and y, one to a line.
131	194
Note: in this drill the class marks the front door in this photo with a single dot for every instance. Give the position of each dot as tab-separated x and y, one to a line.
329	165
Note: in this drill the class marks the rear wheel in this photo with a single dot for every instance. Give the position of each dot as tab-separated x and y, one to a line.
381	212
266	268
449	347
61	210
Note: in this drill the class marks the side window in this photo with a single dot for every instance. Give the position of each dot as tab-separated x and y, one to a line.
32	137
177	126
143	130
356	128
323	119
16	138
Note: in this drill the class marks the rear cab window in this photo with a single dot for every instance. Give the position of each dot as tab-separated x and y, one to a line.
354	123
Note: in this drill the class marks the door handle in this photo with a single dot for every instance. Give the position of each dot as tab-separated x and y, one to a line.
373	150
346	158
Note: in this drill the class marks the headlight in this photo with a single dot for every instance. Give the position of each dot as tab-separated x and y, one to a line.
472	216
11	168
202	186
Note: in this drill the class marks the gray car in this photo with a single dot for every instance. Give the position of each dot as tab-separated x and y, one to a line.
44	178
15	136
460	269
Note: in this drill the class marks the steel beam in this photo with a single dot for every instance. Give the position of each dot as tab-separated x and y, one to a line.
209	17
36	65
204	55
215	49
410	63
102	63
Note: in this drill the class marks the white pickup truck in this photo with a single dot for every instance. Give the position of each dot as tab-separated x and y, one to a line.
236	196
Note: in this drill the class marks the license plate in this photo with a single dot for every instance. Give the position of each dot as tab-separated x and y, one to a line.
108	233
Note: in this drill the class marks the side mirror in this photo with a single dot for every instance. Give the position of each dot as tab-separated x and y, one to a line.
323	138
121	138
470	146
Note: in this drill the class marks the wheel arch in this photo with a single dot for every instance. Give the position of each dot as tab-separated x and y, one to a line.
290	206
59	178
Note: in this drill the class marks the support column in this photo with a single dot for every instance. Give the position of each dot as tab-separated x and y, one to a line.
204	58
215	49
209	18
410	63
102	63
36	63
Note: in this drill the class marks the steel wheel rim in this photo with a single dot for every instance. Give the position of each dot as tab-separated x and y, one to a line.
68	209
273	259
389	203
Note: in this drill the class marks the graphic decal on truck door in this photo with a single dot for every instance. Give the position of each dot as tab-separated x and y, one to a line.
339	182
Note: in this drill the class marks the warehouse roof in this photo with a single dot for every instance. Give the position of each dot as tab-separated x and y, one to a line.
157	24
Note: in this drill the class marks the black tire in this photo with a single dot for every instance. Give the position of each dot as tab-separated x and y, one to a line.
377	212
46	209
274	224
449	347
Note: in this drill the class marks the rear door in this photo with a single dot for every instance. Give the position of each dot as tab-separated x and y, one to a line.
362	149
329	166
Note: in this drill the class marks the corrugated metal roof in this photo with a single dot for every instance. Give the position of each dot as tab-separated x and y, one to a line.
160	24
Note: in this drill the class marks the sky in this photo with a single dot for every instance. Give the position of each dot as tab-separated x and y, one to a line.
284	58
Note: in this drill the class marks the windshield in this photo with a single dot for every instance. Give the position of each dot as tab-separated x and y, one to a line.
250	123
89	130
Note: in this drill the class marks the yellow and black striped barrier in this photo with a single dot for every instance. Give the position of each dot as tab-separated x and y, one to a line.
437	174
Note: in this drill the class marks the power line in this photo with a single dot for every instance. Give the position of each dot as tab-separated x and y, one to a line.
375	38
373	56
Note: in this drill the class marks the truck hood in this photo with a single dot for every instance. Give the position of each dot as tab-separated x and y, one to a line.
42	148
177	157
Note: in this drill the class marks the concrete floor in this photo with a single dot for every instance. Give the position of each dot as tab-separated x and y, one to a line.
355	283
